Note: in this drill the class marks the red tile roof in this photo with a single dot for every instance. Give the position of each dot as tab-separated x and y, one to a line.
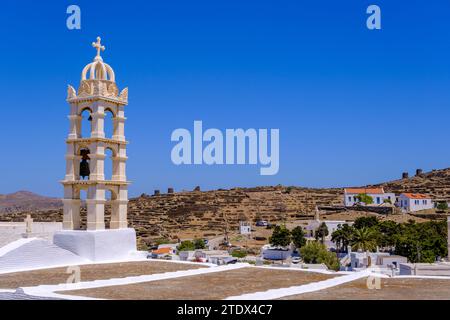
163	251
416	196
364	190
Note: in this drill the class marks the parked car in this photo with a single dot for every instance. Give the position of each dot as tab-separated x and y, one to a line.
296	260
262	223
260	238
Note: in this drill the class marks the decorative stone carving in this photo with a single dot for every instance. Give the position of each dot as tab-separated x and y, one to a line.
113	91
98	89
71	93
98	79
124	94
84	89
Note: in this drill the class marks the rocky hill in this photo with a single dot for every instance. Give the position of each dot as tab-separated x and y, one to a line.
26	201
212	213
435	183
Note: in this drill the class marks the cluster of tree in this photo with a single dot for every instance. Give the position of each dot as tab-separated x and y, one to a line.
419	242
364	198
188	245
283	237
311	252
317	253
322	232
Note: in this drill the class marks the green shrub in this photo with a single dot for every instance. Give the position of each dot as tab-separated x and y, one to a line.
442	206
186	246
280	237
316	253
199	244
298	237
239	254
364	198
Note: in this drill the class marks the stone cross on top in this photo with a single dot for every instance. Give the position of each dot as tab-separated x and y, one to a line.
97	45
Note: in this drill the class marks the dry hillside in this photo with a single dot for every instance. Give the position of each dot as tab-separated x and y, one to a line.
210	213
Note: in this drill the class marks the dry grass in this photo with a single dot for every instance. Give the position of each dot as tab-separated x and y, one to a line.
212	286
391	289
90	273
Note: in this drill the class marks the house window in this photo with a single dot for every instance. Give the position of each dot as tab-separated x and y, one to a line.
378	200
350	199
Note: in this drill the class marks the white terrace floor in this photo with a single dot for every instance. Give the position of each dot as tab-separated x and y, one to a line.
149	279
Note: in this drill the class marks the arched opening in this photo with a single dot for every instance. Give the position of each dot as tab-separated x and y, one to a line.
110	207
83	209
84	166
109	123
100	72
86	123
109	164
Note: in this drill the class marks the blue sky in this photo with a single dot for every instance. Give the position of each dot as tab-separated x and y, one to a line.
353	106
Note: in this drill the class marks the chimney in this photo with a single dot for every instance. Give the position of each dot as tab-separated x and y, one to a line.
405	175
170	190
157	193
419	172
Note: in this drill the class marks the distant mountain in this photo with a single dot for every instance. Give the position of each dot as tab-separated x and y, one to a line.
206	214
27	201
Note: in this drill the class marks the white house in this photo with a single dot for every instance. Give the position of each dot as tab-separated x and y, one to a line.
425	269
378	195
218	257
187	255
269	252
411	202
381	260
245	228
362	260
332	226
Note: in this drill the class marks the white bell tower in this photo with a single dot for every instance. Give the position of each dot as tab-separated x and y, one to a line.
85	156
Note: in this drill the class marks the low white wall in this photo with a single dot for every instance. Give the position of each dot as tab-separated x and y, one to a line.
12	231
